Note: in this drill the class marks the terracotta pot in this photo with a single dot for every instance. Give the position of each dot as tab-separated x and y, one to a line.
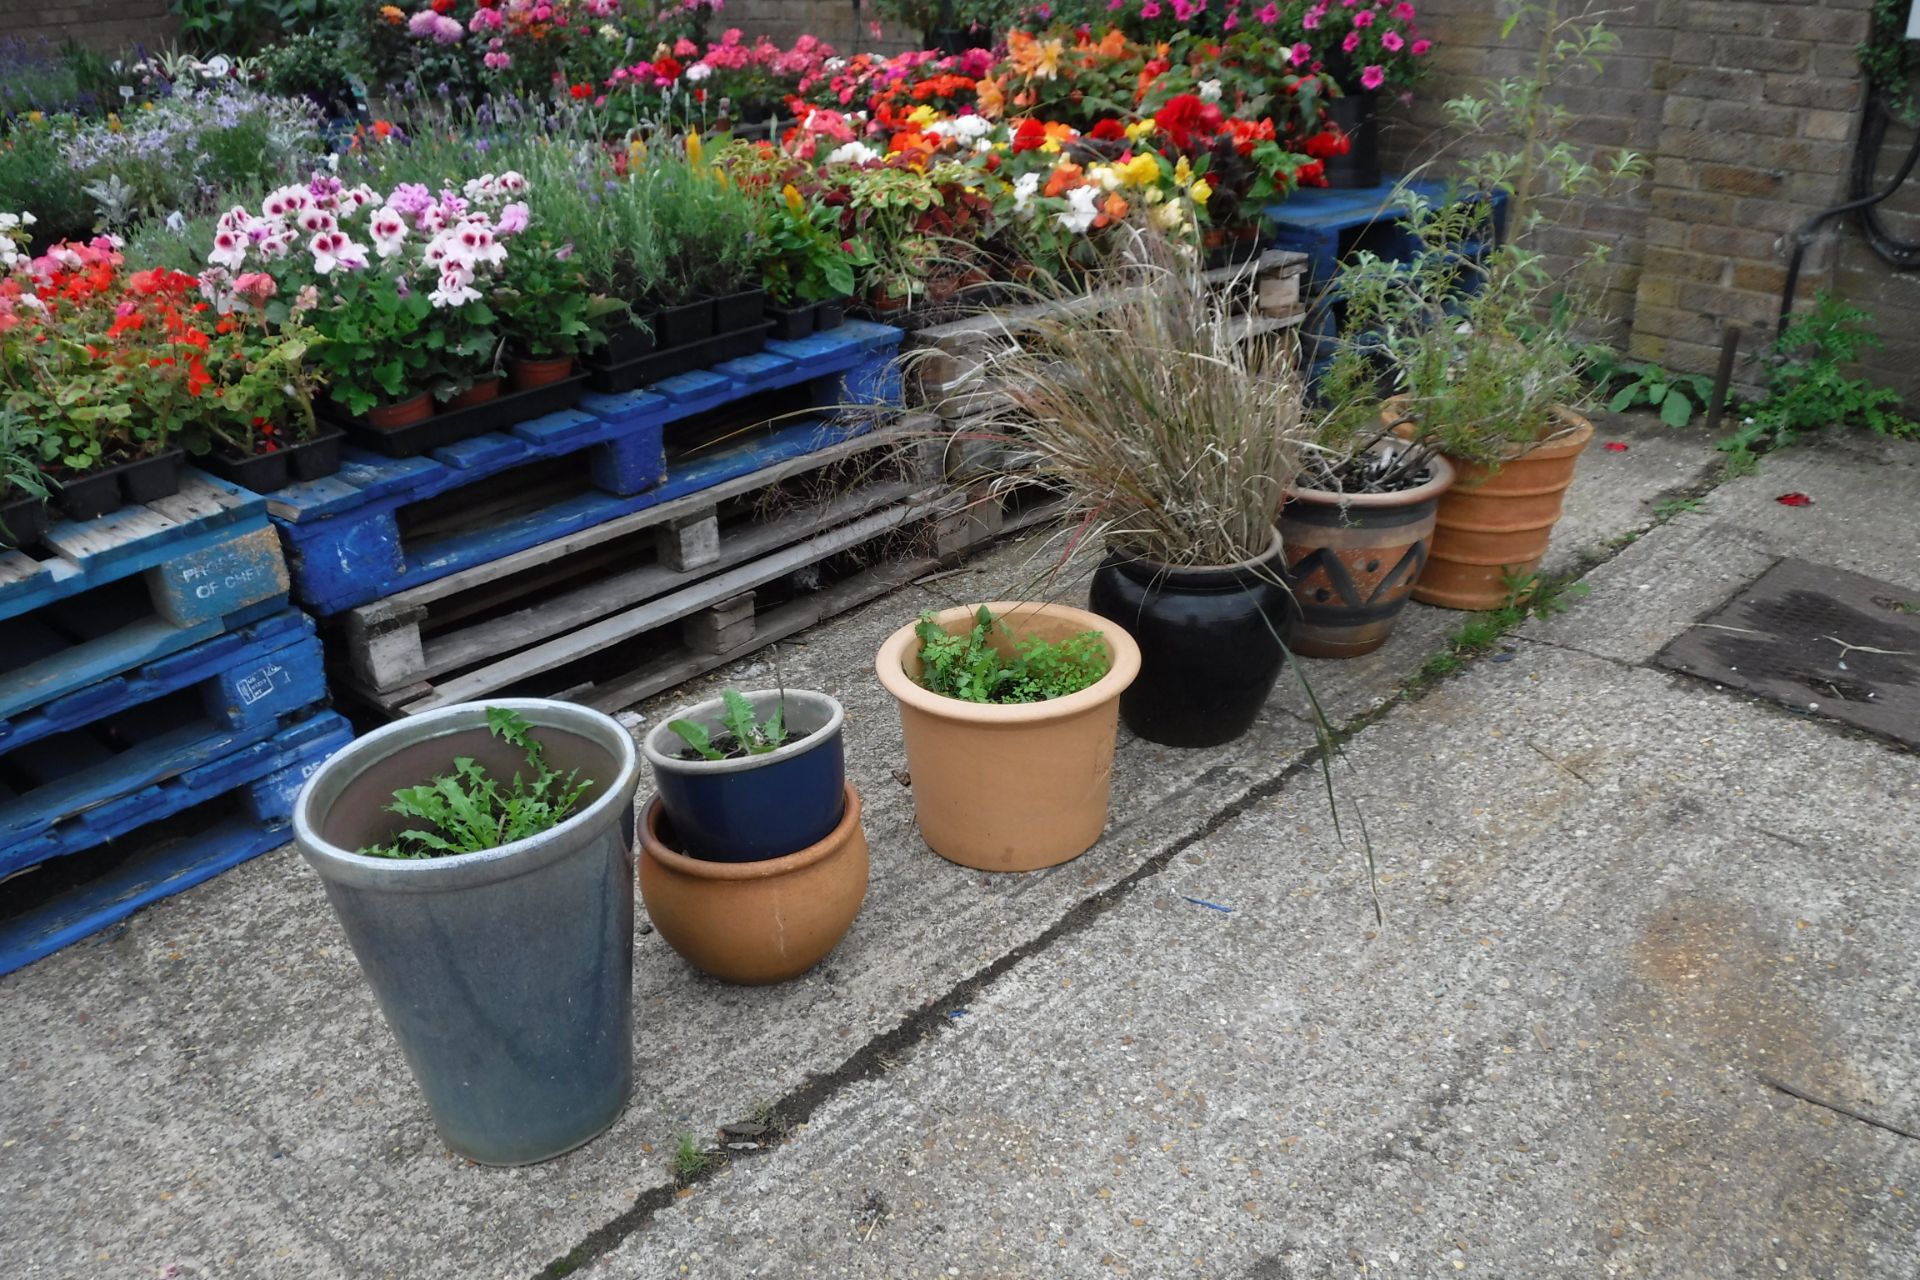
755	922
1353	559
1493	526
401	413
527	374
1011	788
483	390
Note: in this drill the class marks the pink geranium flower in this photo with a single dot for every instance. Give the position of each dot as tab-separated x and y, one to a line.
1372	78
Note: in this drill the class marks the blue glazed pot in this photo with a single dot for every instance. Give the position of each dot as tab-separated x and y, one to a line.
506	975
765	806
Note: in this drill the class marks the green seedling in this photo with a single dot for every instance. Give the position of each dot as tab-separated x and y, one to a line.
468	810
750	736
969	668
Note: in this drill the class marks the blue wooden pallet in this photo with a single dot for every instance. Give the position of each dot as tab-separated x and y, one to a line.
151	680
235	809
343	534
80	778
108	596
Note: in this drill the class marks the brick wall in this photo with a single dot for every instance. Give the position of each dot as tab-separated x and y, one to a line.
835	21
107	25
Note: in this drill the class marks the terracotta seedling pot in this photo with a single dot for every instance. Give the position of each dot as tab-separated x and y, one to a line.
755	922
482	390
527	374
401	413
1011	788
1494	524
1353	559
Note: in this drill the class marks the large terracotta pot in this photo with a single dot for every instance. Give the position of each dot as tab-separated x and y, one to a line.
1353	559
1494	524
1011	788
755	922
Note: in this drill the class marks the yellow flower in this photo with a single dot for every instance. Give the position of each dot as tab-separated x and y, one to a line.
795	205
1183	172
393	13
637	149
695	151
1141	171
923	115
113	121
36	116
1140	129
1202	192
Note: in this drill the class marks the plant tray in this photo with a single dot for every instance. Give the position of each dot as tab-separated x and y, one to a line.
611	379
443	429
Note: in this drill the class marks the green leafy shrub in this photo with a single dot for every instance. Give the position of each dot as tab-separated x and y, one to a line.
746	735
1807	389
467	810
971	669
1629	384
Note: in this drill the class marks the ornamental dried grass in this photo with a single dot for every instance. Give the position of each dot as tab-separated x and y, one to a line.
1170	426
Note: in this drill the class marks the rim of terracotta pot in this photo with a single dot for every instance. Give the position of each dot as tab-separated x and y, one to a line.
1438	482
766	869
1121	673
712	707
1572	438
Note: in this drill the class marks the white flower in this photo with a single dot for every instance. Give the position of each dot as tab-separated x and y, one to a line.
389	232
334	251
608	31
698	71
217	65
852	153
1025	187
1106	177
1081	210
229	248
456	288
1209	91
314	221
1170	216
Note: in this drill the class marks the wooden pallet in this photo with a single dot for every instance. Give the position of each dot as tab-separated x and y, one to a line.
164	839
193	711
105	596
384	525
684	567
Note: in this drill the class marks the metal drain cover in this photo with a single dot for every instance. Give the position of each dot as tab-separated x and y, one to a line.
1813	637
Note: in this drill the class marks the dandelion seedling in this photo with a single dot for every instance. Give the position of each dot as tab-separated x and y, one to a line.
746	734
968	666
469	810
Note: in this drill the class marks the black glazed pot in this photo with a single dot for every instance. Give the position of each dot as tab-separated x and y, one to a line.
790	323
151	479
1210	643
23	518
260	472
317	458
683	326
1357	114
735	311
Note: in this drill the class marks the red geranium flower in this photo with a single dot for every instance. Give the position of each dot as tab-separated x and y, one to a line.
1108	131
1189	122
581	91
1030	136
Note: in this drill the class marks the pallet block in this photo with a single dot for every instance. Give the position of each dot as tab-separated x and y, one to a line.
358	536
221	815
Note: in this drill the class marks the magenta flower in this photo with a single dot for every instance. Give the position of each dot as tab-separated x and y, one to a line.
1420	47
1352	41
1269	15
1362	19
1403	11
1150	10
1391	41
1372	78
1302	53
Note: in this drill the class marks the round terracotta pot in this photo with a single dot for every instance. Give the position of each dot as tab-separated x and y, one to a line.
527	374
482	390
1353	559
1493	526
1011	788
755	922
401	413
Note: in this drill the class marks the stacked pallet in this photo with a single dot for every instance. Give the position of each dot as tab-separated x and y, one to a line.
605	553
159	705
948	383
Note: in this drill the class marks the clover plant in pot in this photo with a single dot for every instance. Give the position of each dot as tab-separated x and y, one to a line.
1470	346
480	860
1173	436
754	775
1009	710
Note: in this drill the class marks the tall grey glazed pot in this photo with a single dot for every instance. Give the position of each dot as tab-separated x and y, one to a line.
506	975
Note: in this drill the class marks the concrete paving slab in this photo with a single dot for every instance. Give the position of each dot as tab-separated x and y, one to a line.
1615	902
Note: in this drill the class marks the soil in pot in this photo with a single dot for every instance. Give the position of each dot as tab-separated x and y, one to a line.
482	390
1494	525
506	974
528	374
401	413
755	922
1210	643
747	805
1010	787
1353	559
